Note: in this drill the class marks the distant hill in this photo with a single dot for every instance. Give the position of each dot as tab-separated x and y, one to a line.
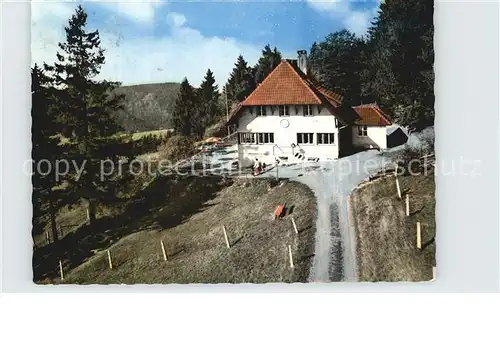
147	106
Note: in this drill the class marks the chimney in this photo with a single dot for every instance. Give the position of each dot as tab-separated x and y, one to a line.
302	61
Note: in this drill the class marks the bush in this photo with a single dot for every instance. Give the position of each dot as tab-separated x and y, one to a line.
150	143
427	145
176	148
218	129
411	157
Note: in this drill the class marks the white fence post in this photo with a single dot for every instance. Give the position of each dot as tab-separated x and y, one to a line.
290	254
61	270
399	189
225	237
419	237
163	251
295	226
407	205
109	260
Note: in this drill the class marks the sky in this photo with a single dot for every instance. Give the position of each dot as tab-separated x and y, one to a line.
154	41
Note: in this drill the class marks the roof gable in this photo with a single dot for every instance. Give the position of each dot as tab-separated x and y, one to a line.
283	86
287	85
371	115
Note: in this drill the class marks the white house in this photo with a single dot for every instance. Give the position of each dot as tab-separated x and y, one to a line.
289	118
370	129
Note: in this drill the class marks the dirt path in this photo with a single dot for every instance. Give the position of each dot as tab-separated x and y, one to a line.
332	182
320	271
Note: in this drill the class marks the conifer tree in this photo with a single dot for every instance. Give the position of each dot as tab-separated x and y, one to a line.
337	63
208	103
45	151
241	81
400	61
87	108
185	110
268	61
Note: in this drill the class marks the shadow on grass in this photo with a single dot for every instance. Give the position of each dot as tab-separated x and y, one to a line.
304	258
176	252
305	229
236	241
429	242
165	203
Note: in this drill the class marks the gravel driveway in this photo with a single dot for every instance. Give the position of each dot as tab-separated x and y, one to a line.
332	182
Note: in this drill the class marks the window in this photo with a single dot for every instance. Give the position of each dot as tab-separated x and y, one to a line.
246	138
261	110
265	138
325	138
305	138
284	110
362	130
308	110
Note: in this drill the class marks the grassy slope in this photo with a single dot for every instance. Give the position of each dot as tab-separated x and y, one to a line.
386	238
68	218
188	219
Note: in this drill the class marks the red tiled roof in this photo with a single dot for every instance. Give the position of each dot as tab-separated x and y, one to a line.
283	86
287	85
371	115
334	98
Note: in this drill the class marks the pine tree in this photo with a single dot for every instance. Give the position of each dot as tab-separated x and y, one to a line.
267	63
185	110
337	63
208	103
400	66
241	81
86	109
45	150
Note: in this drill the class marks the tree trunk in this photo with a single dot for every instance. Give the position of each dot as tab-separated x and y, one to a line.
53	224
91	209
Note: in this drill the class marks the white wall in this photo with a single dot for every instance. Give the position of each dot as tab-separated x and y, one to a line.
377	137
323	122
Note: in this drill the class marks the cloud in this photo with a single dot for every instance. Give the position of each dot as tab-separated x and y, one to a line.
41	9
330	5
357	21
177	19
184	52
47	28
139	11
